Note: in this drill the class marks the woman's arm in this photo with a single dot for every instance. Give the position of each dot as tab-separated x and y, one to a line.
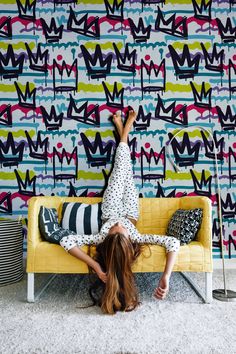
163	287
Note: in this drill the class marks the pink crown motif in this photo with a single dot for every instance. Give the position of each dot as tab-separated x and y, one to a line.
171	26
202	187
9	66
227	119
26	11
88	114
115	9
125	61
38	61
171	113
6	115
185	152
153	165
38	149
26	186
11	153
184	66
203	98
52	32
6	27
52	120
98	152
27	98
65	164
202	11
140	32
86	26
114	98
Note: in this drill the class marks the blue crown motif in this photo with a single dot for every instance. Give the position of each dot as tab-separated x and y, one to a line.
202	11
97	152
171	26
210	146
115	9
202	99
9	66
85	26
153	77
62	73
227	119
52	32
214	60
142	122
126	61
38	149
228	206
65	164
6	28
202	187
38	61
52	120
185	154
185	67
150	159
141	32
6	203
27	98
97	67
6	115
227	32
171	113
114	99
26	186
27	11
11	153
85	114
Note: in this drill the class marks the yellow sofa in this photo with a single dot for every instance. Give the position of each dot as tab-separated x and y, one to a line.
45	257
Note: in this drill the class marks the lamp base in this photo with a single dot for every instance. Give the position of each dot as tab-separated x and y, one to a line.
220	294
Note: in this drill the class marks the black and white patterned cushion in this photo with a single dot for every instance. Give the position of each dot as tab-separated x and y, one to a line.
49	226
184	224
84	219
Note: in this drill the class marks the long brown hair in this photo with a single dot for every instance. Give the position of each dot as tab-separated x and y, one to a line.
116	255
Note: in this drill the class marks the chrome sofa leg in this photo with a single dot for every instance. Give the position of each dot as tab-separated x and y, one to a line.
206	296
30	287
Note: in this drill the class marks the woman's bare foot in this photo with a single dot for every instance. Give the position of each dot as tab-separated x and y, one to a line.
128	125
118	122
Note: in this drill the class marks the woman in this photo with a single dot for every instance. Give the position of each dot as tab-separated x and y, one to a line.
119	242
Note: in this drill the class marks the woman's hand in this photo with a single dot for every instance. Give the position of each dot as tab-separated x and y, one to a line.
163	287
101	275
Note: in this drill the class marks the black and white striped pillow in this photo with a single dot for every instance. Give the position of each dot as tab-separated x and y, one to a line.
84	219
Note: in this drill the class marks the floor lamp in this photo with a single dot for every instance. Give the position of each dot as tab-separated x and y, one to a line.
219	294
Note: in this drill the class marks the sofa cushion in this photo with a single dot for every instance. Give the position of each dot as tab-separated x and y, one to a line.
184	224
84	219
49	227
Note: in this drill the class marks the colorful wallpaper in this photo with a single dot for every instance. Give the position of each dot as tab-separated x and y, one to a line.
66	66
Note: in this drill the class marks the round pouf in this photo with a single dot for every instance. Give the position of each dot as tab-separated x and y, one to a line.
11	251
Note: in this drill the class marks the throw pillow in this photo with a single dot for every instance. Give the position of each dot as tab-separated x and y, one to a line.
184	224
49	226
84	219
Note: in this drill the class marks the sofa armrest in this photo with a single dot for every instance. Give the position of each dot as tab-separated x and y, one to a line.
33	235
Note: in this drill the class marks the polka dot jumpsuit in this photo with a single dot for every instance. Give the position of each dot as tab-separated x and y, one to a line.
120	203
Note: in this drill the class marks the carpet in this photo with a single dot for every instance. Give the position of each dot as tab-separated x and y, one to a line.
55	324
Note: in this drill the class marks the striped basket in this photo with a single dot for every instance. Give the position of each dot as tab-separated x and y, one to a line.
11	251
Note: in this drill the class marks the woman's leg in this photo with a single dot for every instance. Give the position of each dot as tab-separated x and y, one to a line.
113	197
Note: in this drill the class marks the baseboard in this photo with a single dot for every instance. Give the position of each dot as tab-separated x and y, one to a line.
229	263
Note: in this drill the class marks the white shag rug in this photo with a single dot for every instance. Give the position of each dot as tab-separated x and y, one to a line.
55	324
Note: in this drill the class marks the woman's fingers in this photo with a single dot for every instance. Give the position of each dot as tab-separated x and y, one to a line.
160	293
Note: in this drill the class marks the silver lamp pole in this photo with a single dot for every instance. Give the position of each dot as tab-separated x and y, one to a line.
219	294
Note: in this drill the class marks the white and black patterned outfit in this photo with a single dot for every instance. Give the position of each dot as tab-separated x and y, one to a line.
120	202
